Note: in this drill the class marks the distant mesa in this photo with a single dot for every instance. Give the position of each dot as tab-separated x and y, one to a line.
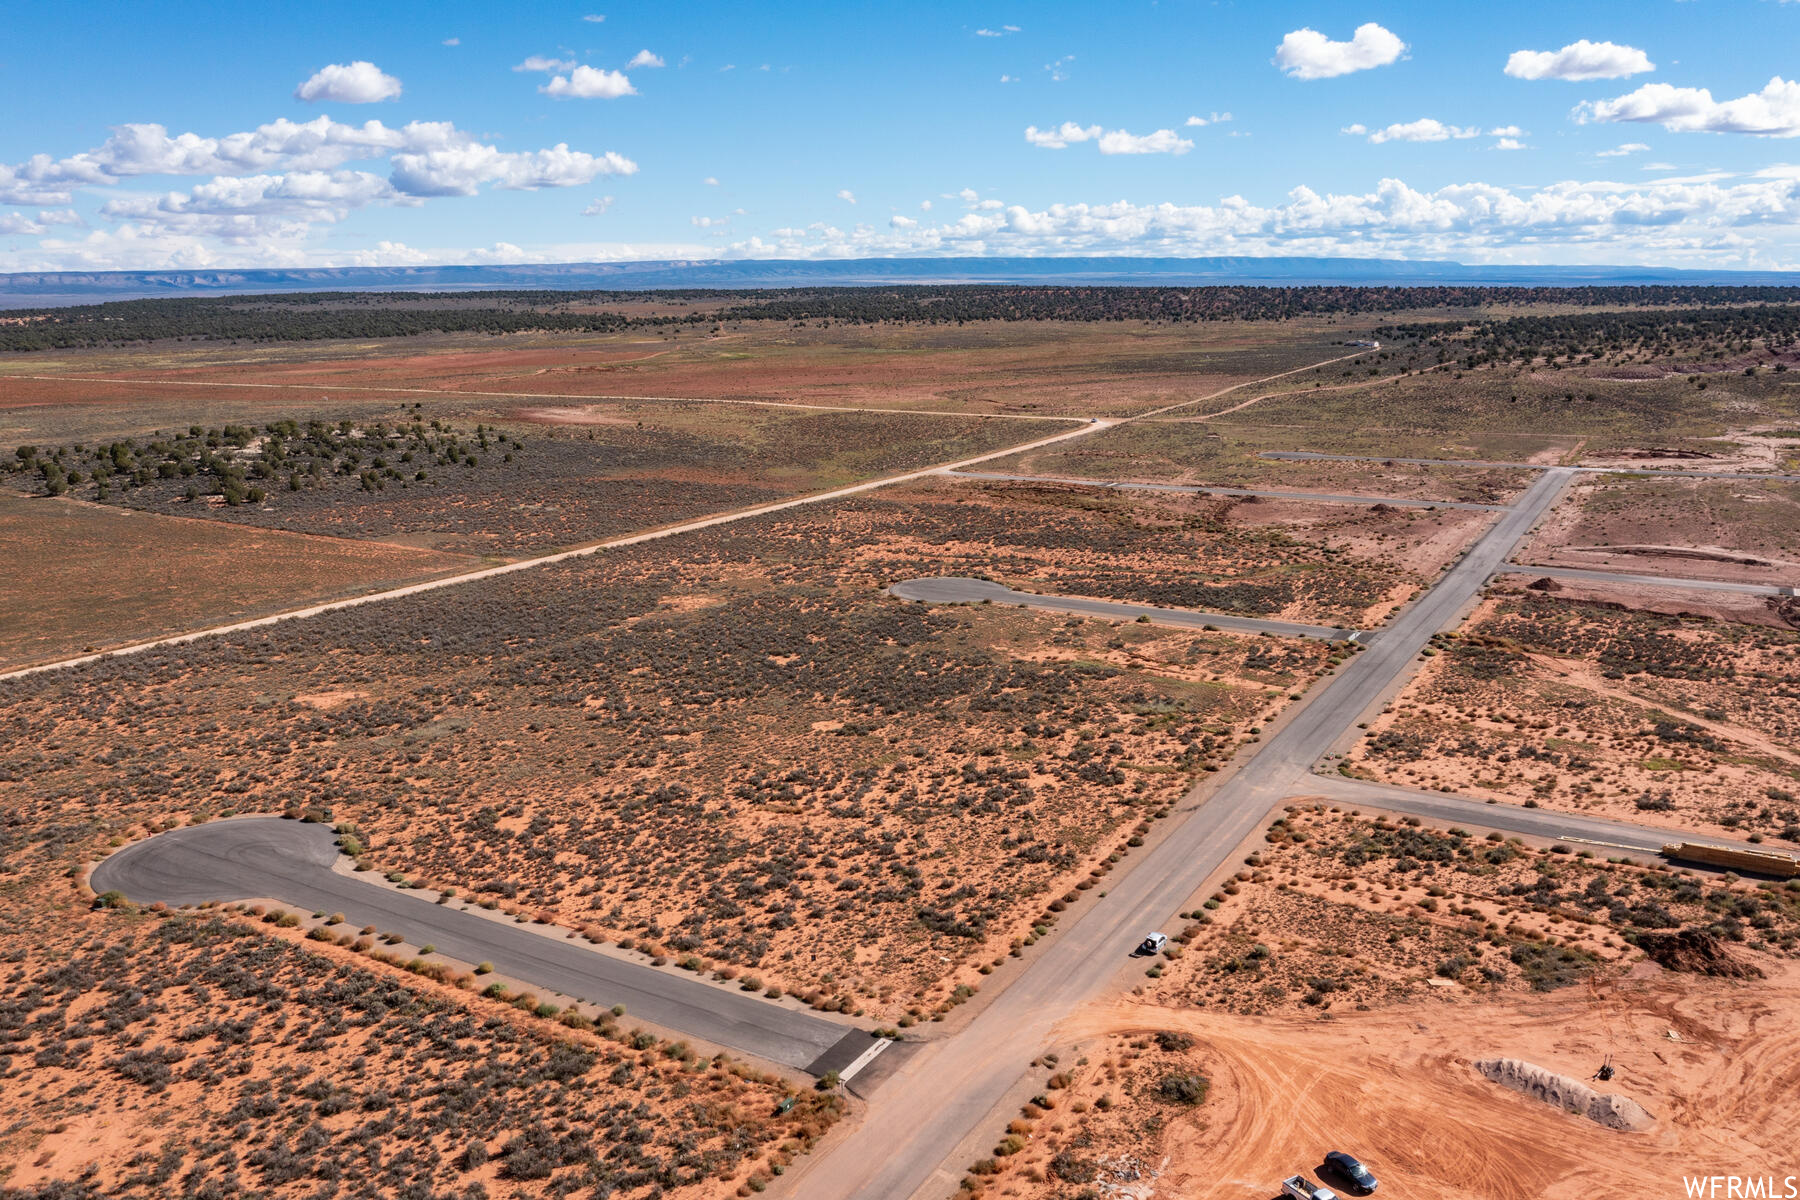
40	288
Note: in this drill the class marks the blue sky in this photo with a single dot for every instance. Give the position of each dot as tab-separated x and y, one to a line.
157	135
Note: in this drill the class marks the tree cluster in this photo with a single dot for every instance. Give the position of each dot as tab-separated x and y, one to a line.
315	316
1660	333
240	463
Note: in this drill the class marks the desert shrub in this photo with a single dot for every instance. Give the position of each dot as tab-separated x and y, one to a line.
1184	1088
1549	967
1072	1169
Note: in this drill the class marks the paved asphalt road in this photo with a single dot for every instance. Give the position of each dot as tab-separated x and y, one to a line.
1317	497
1548	823
907	1144
1670	581
269	858
1524	466
953	589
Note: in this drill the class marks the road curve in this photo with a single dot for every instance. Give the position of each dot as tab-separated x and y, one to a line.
953	589
1230	492
290	861
1668	581
907	1144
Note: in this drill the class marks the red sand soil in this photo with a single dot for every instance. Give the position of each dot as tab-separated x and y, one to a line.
89	576
1717	1063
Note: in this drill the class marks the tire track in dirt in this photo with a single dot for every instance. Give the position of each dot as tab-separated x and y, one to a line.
1399	1087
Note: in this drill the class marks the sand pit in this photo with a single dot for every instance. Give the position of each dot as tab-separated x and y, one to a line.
1570	1095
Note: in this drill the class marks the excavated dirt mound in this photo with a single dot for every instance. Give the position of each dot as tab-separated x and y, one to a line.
1570	1095
1697	952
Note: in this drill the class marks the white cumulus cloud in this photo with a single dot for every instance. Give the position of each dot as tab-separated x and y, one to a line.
1578	61
149	149
1772	112
1697	221
460	167
846	195
643	58
19	223
1622	150
598	207
588	83
542	62
1425	129
328	195
1117	141
1163	141
426	158
1067	133
360	82
1309	54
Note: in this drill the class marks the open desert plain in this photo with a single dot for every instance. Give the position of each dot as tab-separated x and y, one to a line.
620	746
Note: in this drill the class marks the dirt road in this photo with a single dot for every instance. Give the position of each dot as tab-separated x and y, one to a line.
956	590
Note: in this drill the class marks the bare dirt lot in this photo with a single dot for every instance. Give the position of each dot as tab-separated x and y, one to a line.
1688	720
1606	417
1336	994
1030	368
87	576
1228	453
1743	530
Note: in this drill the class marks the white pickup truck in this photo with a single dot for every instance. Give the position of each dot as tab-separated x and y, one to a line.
1299	1187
